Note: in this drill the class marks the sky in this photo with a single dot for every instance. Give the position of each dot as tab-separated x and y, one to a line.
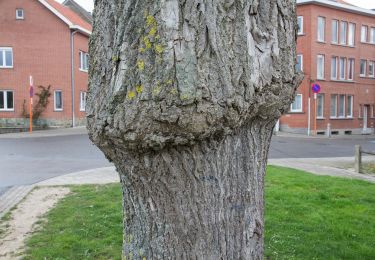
369	4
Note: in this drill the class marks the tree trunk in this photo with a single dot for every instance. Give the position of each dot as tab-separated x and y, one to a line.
183	98
199	202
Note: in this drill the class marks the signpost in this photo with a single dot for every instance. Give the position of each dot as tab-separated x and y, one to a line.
31	91
315	89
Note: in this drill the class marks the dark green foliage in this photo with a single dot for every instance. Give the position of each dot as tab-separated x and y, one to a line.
43	101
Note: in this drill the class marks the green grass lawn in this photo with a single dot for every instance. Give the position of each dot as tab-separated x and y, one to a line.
307	217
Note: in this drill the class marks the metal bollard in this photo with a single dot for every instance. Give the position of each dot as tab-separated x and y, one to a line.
328	130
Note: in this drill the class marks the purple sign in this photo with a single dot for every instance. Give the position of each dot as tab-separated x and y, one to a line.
31	91
315	88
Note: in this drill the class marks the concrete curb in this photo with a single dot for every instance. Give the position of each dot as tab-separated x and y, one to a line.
12	197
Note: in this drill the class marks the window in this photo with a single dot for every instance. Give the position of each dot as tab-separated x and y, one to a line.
343	32
300	24
320	67
341	105
335	31
351	69
58	100
299	64
296	106
342	62
6	57
351	34
19	14
82	106
321	28
84	61
364	33
333	106
362	69
6	100
372	35
334	68
320	106
349	106
371	68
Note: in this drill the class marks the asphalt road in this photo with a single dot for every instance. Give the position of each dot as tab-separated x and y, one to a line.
30	160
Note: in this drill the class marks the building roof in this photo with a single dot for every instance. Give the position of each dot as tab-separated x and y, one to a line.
340	5
67	15
79	10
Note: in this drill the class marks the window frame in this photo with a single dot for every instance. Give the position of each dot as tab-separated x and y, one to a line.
5	100
341	105
82	105
301	63
364	33
3	57
54	101
335	106
372	35
336	62
301	104
317	66
336	23
371	72
320	95
83	59
351	36
323	29
351	106
23	14
300	28
343	33
351	67
362	61
342	69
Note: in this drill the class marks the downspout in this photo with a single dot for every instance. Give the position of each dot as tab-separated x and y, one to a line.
73	32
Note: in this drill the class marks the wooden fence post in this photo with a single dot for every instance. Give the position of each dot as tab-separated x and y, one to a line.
358	159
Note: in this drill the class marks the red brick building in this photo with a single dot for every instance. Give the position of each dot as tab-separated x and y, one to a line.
336	50
48	41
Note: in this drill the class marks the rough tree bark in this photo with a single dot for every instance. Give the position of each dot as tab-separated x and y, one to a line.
183	98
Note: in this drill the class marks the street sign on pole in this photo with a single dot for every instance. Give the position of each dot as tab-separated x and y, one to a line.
315	88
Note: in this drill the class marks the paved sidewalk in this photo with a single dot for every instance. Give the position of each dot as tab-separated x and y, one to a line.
96	176
46	133
338	167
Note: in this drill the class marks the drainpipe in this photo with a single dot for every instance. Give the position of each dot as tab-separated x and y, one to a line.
72	76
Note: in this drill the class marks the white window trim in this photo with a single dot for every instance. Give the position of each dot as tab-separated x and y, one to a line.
345	64
336	58
373	69
337	34
322	116
3	57
81	107
5	109
346	33
300	30
351	101
324	29
338	106
54	101
353	38
323	67
82	54
372	35
360	61
366	36
20	17
301	55
348	69
297	110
